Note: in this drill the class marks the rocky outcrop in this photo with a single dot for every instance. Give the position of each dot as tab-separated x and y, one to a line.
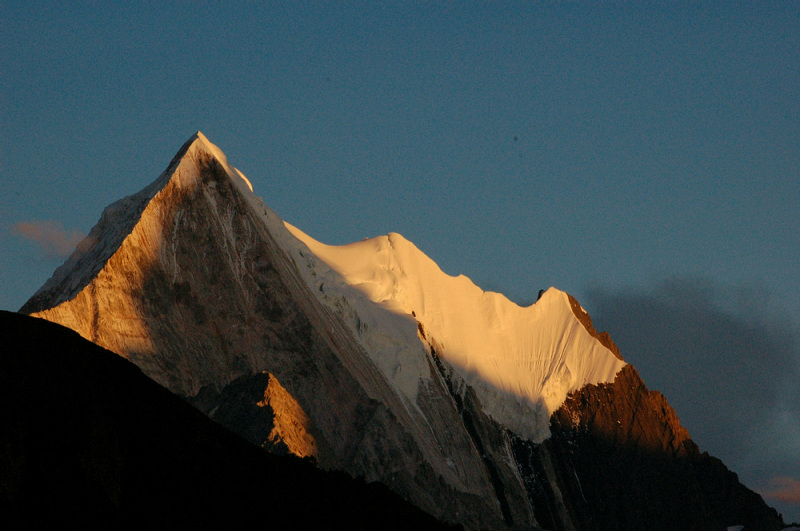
618	458
261	410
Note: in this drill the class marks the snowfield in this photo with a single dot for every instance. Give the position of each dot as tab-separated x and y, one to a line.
522	362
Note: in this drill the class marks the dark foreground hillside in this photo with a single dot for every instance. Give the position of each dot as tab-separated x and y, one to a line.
87	439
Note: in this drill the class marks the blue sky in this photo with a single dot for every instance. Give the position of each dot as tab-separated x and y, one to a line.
608	151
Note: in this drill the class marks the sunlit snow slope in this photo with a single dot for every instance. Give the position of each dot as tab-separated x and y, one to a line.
522	362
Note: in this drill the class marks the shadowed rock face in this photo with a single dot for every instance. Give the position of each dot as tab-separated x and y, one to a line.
618	458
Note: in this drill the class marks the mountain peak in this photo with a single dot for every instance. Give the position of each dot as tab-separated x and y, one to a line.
197	160
194	148
199	141
398	371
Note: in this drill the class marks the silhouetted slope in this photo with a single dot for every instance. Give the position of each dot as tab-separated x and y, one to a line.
87	439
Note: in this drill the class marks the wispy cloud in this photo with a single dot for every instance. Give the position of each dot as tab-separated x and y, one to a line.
784	489
50	236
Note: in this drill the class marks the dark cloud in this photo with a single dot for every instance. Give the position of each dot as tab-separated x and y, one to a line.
725	358
50	236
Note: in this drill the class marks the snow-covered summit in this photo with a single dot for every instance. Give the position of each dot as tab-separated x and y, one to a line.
522	362
398	304
200	142
118	221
